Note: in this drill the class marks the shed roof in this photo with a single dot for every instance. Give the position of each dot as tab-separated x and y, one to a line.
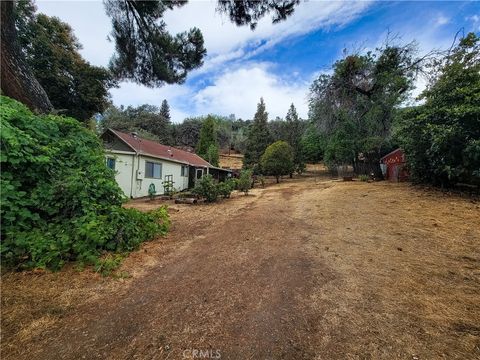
154	149
399	150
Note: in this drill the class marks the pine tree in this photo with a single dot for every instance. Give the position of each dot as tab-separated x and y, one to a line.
258	137
294	131
208	138
165	110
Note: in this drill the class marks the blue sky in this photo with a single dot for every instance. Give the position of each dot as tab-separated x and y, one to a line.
277	62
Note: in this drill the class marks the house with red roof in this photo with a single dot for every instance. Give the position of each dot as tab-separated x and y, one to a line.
140	164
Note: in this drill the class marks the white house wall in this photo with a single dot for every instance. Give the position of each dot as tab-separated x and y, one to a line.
168	168
136	185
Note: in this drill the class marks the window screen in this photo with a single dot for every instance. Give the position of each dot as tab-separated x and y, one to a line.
153	170
111	163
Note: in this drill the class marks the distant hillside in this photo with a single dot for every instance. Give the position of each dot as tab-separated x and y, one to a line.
232	161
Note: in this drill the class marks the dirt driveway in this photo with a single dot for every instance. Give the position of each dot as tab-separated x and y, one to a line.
303	270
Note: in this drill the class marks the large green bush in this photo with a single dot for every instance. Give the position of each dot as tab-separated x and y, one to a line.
277	159
59	200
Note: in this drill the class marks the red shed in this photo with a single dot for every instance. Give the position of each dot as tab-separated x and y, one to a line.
393	166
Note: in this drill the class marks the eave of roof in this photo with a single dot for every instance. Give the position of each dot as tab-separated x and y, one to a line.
195	160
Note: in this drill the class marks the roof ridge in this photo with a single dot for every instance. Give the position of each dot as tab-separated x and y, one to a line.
178	155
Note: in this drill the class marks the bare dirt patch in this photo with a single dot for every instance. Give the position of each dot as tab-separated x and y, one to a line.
308	269
232	161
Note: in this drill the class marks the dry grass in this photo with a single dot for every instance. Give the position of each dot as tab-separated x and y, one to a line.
310	268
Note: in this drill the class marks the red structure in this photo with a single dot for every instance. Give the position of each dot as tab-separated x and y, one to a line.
393	166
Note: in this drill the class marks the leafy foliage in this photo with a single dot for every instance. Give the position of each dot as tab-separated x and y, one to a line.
144	50
225	188
294	132
278	159
441	138
313	144
207	146
146	120
74	87
207	188
213	155
250	12
59	200
187	133
258	137
244	182
354	107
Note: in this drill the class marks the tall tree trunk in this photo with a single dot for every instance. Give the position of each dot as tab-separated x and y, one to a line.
17	80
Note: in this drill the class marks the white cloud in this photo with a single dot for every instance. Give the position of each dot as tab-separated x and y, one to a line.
442	20
234	90
237	91
225	41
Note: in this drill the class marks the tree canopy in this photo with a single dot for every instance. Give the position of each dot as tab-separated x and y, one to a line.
74	87
441	138
354	107
146	120
145	52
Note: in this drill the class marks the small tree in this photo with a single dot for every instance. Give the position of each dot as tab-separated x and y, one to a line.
277	159
244	182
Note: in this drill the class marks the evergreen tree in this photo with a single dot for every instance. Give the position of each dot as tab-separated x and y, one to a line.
165	110
258	137
208	137
294	131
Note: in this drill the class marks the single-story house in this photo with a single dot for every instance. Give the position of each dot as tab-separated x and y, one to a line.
139	163
393	166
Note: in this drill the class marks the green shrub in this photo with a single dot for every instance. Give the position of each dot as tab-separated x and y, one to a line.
225	188
244	182
206	188
59	200
364	177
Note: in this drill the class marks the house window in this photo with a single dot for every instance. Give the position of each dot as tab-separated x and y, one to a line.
153	170
111	163
184	171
